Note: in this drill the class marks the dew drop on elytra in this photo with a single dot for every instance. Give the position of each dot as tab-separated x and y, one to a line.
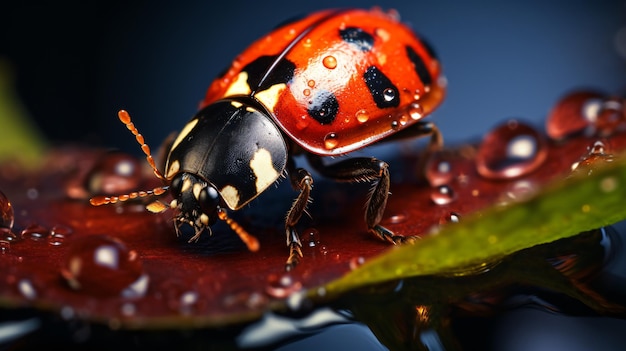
389	94
331	141
104	266
511	150
442	195
329	62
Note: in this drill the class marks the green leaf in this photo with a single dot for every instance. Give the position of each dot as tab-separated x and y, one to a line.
589	199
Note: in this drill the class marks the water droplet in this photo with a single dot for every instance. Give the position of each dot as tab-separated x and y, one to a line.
389	94
281	286
442	195
395	124
356	262
331	141
302	122
573	114
311	83
307	42
58	235
6	238
114	173
102	265
312	237
511	150
35	232
438	171
403	120
450	217
362	116
7	216
382	34
329	62
416	111
597	153
180	298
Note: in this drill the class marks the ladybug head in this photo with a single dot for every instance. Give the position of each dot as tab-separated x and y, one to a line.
197	202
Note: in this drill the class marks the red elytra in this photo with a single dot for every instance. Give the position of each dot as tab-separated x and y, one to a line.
317	77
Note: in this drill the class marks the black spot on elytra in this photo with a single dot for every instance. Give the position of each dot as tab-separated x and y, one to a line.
323	107
266	71
384	92
358	37
419	66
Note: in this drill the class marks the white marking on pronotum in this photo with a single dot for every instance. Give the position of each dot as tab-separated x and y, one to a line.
230	194
183	133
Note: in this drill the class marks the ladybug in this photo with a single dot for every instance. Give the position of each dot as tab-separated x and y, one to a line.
324	85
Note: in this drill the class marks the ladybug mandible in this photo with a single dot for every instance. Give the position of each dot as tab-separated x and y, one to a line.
324	85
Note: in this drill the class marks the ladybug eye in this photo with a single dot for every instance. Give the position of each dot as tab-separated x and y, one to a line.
176	186
209	199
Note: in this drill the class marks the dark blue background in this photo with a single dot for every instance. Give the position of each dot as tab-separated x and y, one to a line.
156	58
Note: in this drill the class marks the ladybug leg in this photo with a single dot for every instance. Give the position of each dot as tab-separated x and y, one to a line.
364	169
421	129
300	180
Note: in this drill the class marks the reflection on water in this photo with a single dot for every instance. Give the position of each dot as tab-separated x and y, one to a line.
570	294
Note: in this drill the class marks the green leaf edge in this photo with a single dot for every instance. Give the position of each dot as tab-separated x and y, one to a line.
586	200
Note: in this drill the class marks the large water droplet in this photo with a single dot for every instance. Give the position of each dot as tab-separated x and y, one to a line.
573	114
7	216
103	266
511	150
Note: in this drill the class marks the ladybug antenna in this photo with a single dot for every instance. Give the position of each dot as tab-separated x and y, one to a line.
104	200
125	118
251	242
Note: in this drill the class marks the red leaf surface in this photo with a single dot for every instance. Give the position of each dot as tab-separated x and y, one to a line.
124	266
